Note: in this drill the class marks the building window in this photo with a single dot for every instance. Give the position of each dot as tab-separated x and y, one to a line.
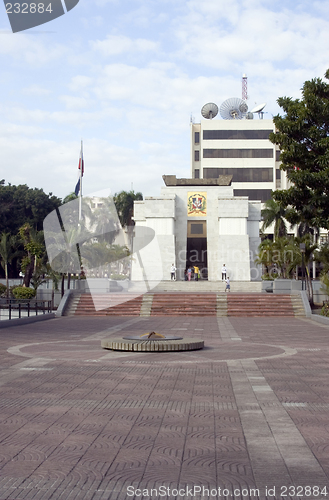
278	174
196	229
196	137
238	153
196	173
196	155
254	194
243	135
277	155
241	174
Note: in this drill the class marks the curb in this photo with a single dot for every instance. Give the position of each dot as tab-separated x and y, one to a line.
25	321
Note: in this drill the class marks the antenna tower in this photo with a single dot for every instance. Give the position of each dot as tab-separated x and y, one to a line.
244	87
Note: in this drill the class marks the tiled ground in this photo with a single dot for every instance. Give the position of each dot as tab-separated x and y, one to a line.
244	418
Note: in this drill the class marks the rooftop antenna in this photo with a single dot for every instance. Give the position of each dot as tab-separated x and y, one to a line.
259	109
209	110
233	109
244	87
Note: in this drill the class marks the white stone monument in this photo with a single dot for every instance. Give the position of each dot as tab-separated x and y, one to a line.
198	222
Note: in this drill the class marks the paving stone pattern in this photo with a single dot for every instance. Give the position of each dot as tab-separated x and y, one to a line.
244	416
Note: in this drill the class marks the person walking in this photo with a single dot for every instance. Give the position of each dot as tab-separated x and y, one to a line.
224	271
173	272
228	285
189	273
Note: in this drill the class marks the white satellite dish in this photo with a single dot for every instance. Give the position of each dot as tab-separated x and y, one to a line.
209	110
259	108
233	109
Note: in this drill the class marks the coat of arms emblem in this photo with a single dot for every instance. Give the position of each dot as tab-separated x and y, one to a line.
197	204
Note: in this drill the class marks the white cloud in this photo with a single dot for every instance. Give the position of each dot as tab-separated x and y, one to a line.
36	90
118	44
32	50
74	102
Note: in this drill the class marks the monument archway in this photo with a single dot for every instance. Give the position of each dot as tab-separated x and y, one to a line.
196	247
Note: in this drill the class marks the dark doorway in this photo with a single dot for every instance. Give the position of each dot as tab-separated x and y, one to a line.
196	254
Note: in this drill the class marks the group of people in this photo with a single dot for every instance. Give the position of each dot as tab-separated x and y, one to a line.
189	271
196	275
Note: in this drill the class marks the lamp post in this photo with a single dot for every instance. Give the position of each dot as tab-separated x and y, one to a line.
302	250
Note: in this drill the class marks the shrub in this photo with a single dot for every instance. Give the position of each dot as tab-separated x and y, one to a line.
325	309
118	277
3	290
325	284
269	276
21	292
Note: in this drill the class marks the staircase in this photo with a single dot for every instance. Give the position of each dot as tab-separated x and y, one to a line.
108	305
297	304
72	304
204	286
188	304
259	304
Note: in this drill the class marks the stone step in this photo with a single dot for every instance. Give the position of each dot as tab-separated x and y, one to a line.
72	304
109	305
189	304
207	286
254	305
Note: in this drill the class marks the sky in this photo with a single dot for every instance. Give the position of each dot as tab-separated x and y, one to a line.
125	76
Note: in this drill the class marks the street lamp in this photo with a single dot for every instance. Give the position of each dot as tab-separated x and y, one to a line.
302	250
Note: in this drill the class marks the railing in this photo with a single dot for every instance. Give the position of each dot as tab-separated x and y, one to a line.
18	308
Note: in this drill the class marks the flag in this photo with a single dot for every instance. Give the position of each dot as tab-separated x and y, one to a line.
77	188
81	162
81	168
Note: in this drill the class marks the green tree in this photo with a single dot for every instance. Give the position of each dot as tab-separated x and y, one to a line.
21	204
34	246
70	197
265	257
104	220
124	203
281	255
8	252
322	255
303	137
274	212
310	249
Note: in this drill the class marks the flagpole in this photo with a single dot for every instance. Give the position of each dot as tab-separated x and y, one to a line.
80	193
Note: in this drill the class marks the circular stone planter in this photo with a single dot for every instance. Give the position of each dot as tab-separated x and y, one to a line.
121	344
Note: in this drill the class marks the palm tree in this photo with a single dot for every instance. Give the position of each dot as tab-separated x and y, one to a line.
34	245
8	252
273	212
124	203
310	247
105	221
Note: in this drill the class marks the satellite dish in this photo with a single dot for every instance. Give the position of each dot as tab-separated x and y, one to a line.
259	108
209	110
233	109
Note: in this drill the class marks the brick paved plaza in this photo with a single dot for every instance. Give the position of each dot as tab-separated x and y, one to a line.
246	417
